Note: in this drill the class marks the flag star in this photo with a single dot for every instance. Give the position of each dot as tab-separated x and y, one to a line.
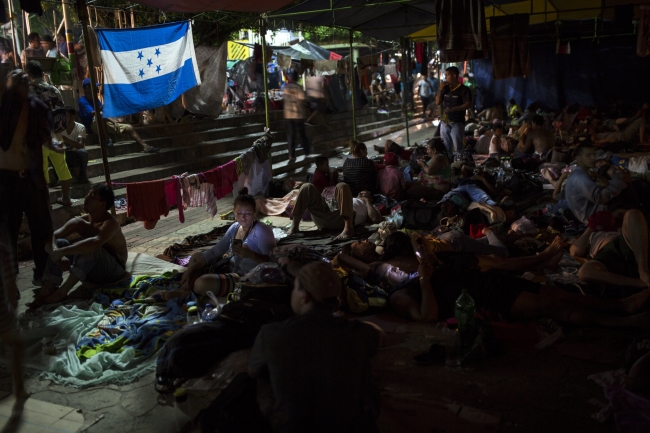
149	62
157	51
140	56
141	73
158	69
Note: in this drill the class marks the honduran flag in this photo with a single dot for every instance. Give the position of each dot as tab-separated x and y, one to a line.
147	67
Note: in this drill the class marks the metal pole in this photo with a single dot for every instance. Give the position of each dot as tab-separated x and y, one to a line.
13	33
266	84
69	38
82	11
405	82
353	88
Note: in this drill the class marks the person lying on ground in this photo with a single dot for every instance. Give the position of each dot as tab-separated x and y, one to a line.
390	179
618	260
318	366
536	140
637	163
87	117
389	146
584	196
430	295
99	257
634	130
435	178
489	115
351	211
478	187
359	172
323	176
249	243
483	144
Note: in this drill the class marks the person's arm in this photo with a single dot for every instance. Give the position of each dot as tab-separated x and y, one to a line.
405	306
347	261
467	102
73	143
580	247
558	185
589	189
381	336
373	213
266	243
523	139
436	164
70	227
441	91
89	245
490	188
216	252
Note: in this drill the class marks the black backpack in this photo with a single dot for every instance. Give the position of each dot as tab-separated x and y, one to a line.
419	215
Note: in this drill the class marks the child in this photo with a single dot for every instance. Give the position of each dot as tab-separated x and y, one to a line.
391	179
322	176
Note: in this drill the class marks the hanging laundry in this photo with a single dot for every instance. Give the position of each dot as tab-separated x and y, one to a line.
229	176
367	62
389	70
146	201
174	196
342	66
420	51
325	67
257	180
510	57
306	64
262	146
462	34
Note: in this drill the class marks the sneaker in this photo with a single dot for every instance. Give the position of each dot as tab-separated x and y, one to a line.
152	149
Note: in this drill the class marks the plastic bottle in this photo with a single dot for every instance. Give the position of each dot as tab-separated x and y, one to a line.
452	345
500	177
209	313
465	314
193	315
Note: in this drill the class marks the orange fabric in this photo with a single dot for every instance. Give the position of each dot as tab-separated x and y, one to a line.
146	201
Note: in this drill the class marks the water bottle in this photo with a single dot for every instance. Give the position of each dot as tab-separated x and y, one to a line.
500	177
452	345
209	313
465	312
193	315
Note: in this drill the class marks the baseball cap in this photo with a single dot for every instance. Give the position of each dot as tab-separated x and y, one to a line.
390	158
318	278
602	221
86	82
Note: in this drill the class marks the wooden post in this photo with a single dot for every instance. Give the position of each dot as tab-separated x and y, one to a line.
82	10
405	81
264	72
13	33
353	88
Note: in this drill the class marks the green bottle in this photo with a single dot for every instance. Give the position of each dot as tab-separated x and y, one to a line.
465	312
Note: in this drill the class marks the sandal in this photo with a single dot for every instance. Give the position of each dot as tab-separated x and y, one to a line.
60	201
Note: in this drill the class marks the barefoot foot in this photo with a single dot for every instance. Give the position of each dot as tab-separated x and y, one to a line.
345	234
59	295
633	304
293	230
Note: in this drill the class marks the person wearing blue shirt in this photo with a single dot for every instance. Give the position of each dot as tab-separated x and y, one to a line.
87	115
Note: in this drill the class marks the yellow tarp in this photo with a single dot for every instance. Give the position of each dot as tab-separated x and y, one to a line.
541	11
237	51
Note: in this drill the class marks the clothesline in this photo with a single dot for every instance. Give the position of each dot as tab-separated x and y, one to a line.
149	200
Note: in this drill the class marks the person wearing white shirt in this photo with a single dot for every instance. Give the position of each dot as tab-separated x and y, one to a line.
76	155
47	42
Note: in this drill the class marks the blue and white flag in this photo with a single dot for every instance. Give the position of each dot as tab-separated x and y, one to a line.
147	67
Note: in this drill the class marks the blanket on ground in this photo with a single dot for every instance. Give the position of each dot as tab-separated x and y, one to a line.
110	343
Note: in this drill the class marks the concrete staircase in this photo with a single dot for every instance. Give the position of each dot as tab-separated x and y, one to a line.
198	146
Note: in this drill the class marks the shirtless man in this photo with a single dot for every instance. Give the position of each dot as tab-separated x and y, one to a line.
352	211
536	139
25	126
100	257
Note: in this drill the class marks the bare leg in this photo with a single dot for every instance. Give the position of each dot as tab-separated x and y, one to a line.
343	196
550	257
62	292
631	305
136	137
596	272
635	233
530	306
47	290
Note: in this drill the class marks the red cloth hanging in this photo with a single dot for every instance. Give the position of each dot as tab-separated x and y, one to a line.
223	178
419	51
146	201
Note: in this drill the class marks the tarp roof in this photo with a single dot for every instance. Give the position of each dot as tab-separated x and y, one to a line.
382	19
541	11
301	50
193	6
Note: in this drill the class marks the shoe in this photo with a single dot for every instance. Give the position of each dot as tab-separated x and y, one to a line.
152	150
37	282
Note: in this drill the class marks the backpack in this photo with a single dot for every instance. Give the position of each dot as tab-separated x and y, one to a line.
49	95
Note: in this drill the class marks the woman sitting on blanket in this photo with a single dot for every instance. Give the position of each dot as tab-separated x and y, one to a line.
426	286
246	244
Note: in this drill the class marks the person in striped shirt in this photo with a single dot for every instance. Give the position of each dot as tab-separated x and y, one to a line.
359	172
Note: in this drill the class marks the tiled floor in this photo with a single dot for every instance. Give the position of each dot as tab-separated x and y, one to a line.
40	416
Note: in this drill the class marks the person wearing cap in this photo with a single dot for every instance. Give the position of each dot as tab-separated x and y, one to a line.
318	365
390	179
87	116
47	42
618	257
